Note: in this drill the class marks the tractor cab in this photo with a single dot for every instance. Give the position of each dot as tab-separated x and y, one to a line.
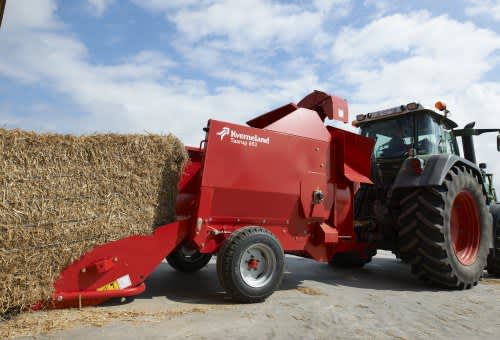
402	132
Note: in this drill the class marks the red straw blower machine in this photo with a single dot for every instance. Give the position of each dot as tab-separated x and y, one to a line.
283	184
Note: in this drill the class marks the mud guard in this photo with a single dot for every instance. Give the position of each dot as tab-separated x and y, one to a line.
434	173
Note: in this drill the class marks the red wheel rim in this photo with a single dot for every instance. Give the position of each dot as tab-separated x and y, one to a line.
465	228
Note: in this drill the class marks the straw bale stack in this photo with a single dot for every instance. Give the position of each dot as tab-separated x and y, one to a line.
62	195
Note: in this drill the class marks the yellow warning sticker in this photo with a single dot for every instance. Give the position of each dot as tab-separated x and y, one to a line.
110	286
120	283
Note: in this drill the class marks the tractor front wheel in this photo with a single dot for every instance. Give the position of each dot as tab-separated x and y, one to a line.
250	264
445	232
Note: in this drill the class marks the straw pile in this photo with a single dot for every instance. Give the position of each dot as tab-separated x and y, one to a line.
47	322
62	195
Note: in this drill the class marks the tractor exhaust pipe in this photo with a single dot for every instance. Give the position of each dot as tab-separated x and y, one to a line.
2	9
468	145
467	134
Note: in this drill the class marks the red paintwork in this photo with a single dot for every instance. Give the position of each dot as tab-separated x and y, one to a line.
136	256
102	266
465	228
264	175
253	264
327	105
91	298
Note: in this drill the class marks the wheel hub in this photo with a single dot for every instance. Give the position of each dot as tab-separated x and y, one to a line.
257	265
465	228
253	264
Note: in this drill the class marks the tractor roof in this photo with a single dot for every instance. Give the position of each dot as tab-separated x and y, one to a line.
398	111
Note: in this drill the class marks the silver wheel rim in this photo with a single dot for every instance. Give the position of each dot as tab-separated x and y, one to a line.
257	265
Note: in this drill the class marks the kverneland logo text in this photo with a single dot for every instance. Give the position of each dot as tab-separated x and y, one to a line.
242	138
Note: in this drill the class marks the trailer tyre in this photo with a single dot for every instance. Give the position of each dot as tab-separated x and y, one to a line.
352	260
494	257
187	260
445	232
250	264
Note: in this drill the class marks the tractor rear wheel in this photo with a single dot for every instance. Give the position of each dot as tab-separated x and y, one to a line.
352	260
186	259
494	257
250	264
445	232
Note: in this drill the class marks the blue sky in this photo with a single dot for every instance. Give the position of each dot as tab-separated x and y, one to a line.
169	65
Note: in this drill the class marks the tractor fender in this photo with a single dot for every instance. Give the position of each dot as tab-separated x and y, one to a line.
435	169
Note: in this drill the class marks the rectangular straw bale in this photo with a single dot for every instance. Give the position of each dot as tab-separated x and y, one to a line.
62	195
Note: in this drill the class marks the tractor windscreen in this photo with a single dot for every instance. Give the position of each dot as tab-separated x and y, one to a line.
395	137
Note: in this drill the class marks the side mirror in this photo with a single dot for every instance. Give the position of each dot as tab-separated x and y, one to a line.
483	166
498	143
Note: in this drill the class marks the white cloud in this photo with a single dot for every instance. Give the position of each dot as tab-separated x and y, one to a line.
98	7
485	8
249	43
381	7
141	92
248	25
413	55
27	14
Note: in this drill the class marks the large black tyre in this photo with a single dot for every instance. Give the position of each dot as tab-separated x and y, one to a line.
187	260
445	232
494	257
250	264
352	260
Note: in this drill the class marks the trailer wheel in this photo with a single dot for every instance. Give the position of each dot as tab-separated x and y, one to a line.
445	232
250	264
494	257
187	260
352	260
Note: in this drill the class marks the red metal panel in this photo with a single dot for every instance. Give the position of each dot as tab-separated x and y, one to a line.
302	122
188	175
357	157
270	117
271	163
257	173
326	105
344	199
92	298
132	257
328	234
352	156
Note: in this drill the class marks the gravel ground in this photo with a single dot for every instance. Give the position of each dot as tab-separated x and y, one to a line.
380	301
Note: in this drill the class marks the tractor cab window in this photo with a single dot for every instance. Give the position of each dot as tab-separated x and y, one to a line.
393	137
433	138
447	144
428	132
